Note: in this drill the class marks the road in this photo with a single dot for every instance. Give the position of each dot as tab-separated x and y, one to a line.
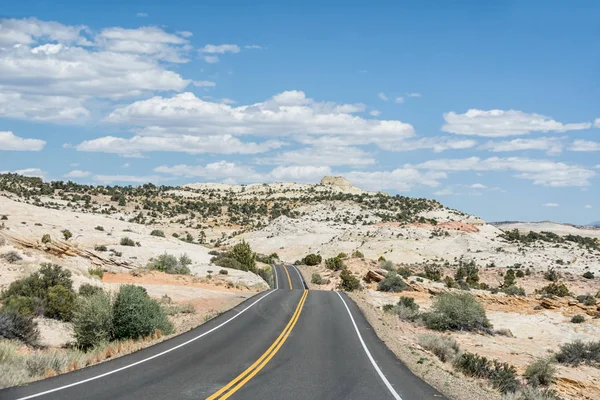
287	343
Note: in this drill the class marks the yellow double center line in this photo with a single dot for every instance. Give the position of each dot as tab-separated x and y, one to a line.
288	275
255	368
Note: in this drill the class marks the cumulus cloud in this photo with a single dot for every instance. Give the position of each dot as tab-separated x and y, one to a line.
48	70
437	144
141	14
221	48
498	123
399	100
597	123
204	84
326	156
137	145
10	142
287	113
401	179
550	204
552	145
77	173
107	179
478	186
253	46
375	113
211	59
584	145
414	94
541	172
382	96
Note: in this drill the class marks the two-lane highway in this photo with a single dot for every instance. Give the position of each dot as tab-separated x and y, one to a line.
280	344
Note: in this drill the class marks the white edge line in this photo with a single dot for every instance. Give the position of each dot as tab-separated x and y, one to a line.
145	359
299	276
381	375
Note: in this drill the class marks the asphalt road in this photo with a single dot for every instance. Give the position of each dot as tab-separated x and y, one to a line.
280	344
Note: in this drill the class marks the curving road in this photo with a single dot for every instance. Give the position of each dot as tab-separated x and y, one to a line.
287	343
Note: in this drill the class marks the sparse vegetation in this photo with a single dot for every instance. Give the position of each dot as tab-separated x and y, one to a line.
588	275
88	290
316	279
157	232
349	282
125	241
335	263
312	259
169	264
93	319
578	352
444	347
96	272
46	238
578	319
467	273
555	289
503	376
540	372
433	272
100	248
457	312
357	254
18	327
552	275
392	283
99	228
11	257
67	234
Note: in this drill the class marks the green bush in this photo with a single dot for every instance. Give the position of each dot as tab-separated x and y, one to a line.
588	275
267	275
125	241
514	291
93	320
136	315
444	347
387	265
531	393
185	260
503	376
433	272
312	259
335	263
316	279
88	290
158	233
555	289
342	255
67	234
223	272
349	282
519	274
509	278
11	257
227	262
99	228
468	273
405	272
579	352
578	319
96	272
552	274
244	255
47	292
357	254
540	372
406	309
100	248
18	326
587	299
457	312
392	283
46	238
169	264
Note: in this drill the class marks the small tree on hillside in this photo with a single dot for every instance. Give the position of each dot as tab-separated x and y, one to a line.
243	254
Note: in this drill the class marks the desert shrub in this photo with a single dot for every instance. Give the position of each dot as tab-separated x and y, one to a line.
357	254
223	272
404	272
312	259
531	393
88	290
392	283
157	232
406	309
555	289
243	255
449	282
267	275
125	241
509	278
349	282
444	347
4	218
46	238
579	352
184	259
96	272
67	234
136	315
16	326
99	228
100	248
335	263
503	376
169	264
514	290
2	241
588	275
174	309
468	273
93	320
552	275
456	311
47	292
227	262
587	299
433	272
11	257
540	372
8	350
342	255
316	279
578	319
387	265
519	274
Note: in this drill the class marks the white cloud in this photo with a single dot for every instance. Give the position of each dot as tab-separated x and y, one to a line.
498	123
437	144
107	179
382	96
135	146
221	48
226	100
588	206
214	171
597	123
550	204
211	59
326	156
52	69
141	14
301	174
204	84
126	165
287	113
375	113
401	179
253	46
399	100
541	172
478	186
414	94
76	173
552	145
584	145
32	172
11	142
447	191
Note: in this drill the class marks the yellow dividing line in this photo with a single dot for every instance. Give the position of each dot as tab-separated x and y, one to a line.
255	368
288	275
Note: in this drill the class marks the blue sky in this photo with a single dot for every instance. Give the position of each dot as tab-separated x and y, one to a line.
490	107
